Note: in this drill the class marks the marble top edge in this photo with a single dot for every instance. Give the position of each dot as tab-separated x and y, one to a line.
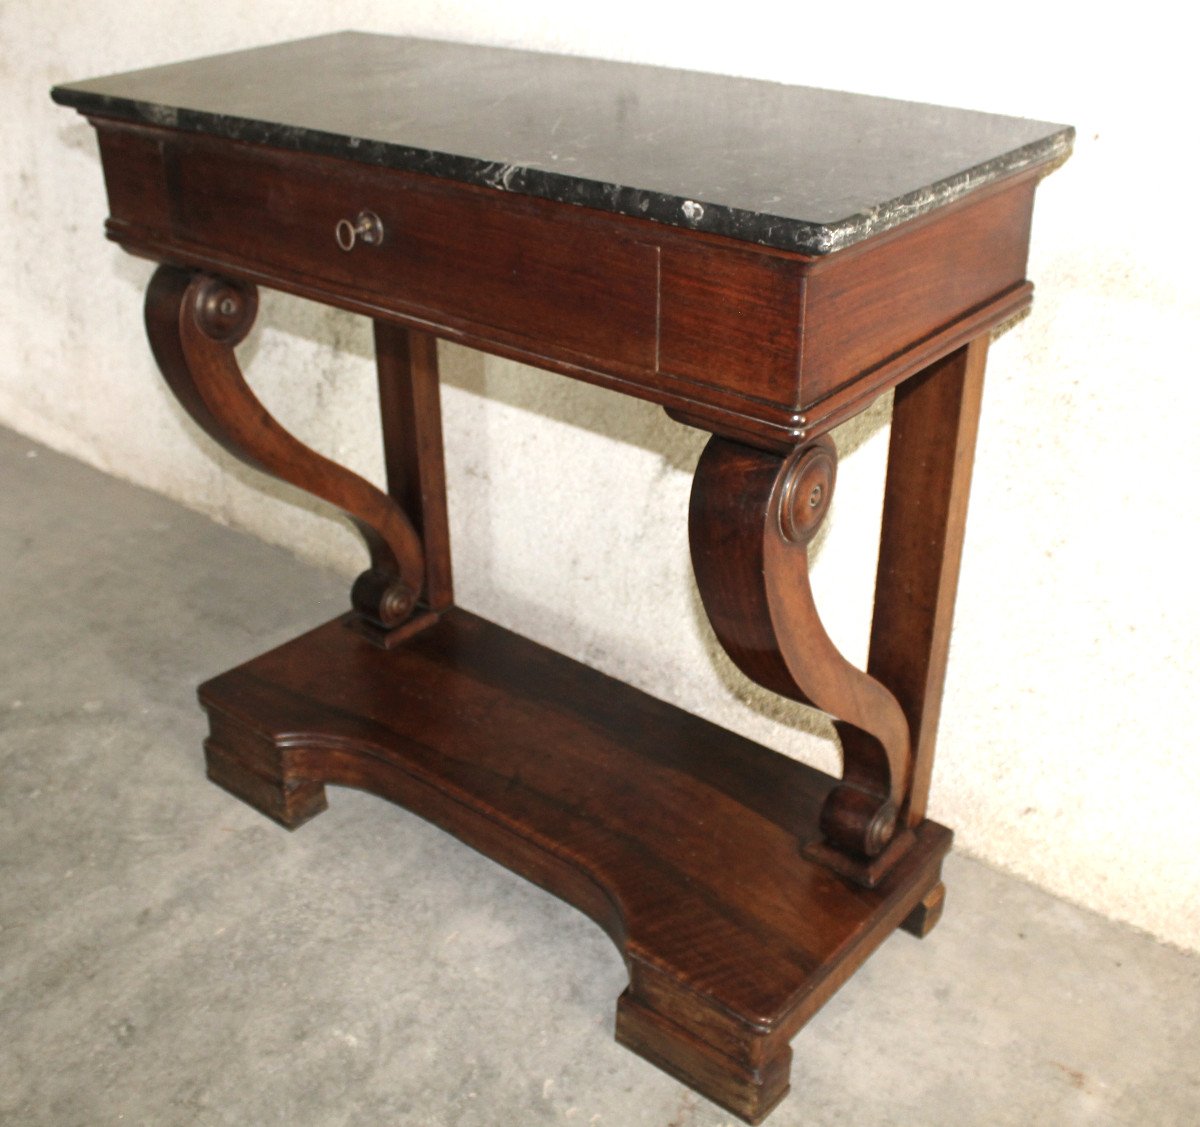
718	212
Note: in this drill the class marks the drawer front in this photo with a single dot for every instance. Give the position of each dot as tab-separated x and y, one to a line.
707	328
727	336
523	272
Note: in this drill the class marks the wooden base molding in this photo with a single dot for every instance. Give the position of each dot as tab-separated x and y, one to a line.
679	838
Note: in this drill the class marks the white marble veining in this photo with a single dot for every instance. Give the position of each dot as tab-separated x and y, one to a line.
783	166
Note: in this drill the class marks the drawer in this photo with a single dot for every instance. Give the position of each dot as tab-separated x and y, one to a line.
754	343
706	327
543	278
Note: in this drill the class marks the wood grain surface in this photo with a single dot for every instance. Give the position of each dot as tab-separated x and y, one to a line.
679	838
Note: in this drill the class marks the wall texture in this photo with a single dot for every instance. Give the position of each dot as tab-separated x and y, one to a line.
1068	740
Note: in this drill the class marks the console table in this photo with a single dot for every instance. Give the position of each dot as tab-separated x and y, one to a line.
763	261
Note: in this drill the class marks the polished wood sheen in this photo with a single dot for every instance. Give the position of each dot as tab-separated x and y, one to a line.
194	322
677	837
724	336
753	516
741	887
411	411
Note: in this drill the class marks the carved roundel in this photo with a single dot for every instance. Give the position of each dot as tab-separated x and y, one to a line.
224	310
807	476
383	597
396	603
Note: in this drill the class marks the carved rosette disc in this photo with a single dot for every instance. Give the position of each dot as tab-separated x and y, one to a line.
807	477
857	821
224	310
382	597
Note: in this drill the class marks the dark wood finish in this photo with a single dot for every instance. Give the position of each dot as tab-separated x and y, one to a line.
194	321
860	305
935	418
596	298
411	410
752	518
925	916
728	337
852	398
729	320
742	888
677	837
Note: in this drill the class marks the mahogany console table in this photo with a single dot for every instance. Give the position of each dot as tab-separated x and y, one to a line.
762	261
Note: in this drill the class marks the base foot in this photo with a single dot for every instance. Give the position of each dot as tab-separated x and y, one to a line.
259	772
749	1092
925	916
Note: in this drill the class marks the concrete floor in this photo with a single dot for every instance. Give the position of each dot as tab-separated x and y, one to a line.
168	956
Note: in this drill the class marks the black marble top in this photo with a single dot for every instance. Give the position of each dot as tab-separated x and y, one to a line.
783	166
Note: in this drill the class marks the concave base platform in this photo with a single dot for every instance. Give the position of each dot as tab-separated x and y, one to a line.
679	838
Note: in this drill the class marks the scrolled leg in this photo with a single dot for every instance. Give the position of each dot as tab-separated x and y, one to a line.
194	322
753	516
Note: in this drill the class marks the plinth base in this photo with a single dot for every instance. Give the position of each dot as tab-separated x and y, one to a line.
682	840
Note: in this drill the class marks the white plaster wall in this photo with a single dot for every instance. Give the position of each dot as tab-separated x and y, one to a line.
1068	744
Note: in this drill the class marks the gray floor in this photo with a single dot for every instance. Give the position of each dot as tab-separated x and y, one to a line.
167	956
